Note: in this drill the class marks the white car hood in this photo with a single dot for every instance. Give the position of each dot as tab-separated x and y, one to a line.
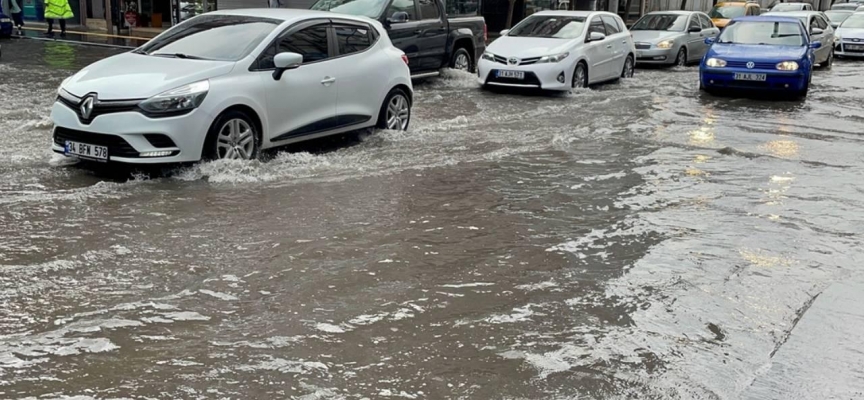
526	47
137	76
850	33
653	36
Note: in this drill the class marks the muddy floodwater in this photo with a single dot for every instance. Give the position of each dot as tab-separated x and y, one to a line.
634	240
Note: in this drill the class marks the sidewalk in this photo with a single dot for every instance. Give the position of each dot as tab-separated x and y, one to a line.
80	36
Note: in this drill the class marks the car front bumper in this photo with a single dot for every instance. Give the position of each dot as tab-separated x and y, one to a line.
724	78
124	135
841	49
655	56
539	76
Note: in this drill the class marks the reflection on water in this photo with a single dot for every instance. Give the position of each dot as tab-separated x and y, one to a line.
59	55
781	148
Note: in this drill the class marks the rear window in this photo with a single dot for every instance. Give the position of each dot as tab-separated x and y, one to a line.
462	8
213	37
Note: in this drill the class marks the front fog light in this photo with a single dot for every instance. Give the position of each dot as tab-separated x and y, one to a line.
561	77
184	98
715	63
788	66
162	153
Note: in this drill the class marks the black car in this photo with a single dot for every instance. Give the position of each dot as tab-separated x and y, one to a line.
431	35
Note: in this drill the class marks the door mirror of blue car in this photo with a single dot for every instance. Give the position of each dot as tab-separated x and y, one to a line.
815	45
709	40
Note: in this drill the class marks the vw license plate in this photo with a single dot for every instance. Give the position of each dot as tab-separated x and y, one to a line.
86	151
511	74
750	77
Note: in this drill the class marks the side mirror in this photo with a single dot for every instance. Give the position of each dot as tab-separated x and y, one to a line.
596	36
399	17
285	61
709	40
815	45
695	30
816	31
504	32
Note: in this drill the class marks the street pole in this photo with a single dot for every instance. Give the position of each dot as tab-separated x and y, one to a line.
109	16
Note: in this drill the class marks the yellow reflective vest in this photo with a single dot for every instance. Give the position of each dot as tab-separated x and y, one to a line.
58	9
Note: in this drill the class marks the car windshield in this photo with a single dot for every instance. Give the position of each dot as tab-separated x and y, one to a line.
549	26
367	8
763	33
837	16
661	22
848	7
726	12
787	7
211	37
854	21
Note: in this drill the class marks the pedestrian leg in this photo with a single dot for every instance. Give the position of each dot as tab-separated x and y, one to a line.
50	26
62	27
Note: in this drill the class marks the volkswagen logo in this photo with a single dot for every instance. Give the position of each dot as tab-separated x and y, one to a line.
750	64
87	105
513	61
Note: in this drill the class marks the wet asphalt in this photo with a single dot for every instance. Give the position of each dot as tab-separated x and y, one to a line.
634	240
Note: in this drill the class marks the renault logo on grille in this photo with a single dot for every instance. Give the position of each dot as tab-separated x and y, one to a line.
87	106
513	61
751	64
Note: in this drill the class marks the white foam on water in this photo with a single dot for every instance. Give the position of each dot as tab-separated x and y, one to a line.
467	285
530	287
330	328
218	295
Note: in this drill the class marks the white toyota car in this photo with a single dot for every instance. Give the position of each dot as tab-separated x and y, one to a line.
559	50
229	83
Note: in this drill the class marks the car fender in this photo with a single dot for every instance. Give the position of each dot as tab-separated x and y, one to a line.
242	100
459	33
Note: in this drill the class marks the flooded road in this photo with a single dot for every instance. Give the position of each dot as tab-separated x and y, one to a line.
636	240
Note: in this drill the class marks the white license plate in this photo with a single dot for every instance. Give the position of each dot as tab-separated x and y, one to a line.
750	77
854	47
86	150
511	74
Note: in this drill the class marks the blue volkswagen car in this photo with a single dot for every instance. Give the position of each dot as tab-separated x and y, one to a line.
760	53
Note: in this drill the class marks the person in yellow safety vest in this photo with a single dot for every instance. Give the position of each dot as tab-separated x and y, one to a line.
60	10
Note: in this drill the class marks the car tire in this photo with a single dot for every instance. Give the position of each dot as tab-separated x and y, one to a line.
829	62
461	60
395	112
233	135
681	58
629	67
580	76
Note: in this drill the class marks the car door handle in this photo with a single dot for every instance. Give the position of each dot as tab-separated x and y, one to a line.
418	31
608	46
624	41
328	80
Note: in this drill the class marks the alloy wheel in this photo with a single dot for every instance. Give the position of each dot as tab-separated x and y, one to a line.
398	113
681	61
236	140
579	77
628	68
461	62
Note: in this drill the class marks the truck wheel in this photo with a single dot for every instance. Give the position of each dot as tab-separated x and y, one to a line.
461	60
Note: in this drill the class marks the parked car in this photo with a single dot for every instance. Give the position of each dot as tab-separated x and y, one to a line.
5	24
845	7
816	21
723	12
560	50
850	37
433	37
760	53
836	17
792	7
227	84
672	37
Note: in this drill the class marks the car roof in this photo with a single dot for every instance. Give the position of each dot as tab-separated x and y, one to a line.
676	12
800	13
767	18
732	3
572	13
286	14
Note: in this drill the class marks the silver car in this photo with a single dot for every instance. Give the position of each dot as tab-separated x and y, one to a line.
820	31
850	37
672	37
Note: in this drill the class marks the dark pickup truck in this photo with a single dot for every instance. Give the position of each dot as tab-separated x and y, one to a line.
432	35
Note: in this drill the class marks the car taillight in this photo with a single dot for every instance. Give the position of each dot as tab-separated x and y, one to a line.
485	33
405	58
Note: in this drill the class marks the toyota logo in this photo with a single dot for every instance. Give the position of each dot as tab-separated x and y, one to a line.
513	61
87	105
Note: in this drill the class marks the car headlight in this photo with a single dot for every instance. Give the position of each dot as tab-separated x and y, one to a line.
836	39
715	63
666	44
553	58
488	56
183	98
787	66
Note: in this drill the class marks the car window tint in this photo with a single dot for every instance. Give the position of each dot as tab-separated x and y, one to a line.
429	9
706	22
694	23
461	8
620	23
823	23
310	42
596	26
610	24
405	6
352	39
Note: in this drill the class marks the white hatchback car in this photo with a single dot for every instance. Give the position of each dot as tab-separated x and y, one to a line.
230	83
559	50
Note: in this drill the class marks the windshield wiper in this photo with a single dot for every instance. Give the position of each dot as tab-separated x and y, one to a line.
178	55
